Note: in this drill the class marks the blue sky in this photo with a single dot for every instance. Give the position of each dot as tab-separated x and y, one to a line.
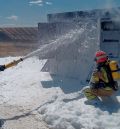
30	12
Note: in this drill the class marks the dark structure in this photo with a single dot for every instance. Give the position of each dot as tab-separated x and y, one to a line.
19	34
80	15
18	41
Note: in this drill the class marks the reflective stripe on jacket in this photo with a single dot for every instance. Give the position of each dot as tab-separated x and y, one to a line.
98	76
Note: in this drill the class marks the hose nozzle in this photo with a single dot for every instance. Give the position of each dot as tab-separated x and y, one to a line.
13	63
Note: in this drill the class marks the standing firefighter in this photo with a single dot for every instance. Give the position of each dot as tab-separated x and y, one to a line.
103	80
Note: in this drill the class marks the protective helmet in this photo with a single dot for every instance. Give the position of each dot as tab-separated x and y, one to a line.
101	56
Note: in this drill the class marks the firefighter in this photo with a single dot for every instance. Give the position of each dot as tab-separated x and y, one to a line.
103	80
2	67
13	63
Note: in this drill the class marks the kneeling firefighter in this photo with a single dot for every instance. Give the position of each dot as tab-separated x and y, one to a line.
103	80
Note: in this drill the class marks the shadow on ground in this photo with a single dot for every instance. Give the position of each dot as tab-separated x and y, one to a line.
1	123
110	104
67	84
23	115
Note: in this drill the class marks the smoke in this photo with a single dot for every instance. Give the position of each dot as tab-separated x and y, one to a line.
109	4
112	10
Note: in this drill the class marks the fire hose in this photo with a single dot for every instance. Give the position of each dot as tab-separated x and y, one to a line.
11	64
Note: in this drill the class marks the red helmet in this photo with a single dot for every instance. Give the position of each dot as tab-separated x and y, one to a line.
100	56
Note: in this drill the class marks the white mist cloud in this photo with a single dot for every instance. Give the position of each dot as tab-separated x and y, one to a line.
112	8
48	3
39	2
13	17
110	4
36	2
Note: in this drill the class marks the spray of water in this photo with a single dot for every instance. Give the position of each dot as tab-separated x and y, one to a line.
48	49
78	36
